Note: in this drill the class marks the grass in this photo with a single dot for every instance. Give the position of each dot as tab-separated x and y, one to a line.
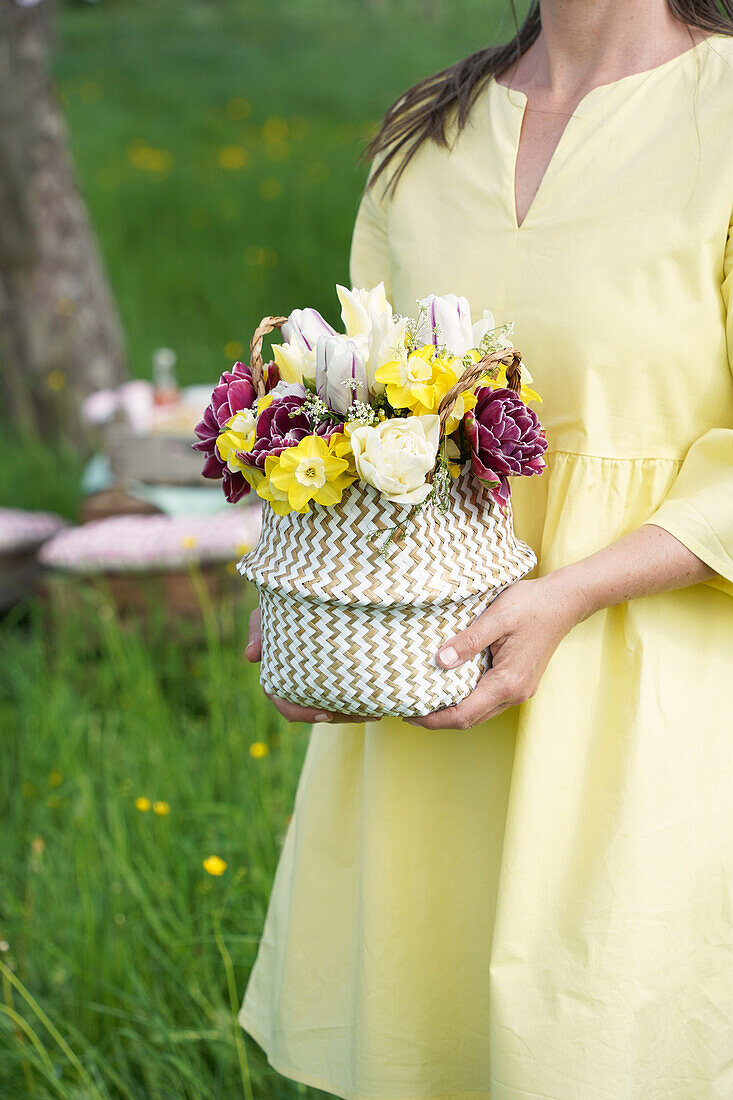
117	943
215	142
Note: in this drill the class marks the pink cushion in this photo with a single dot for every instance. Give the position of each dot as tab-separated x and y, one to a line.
138	544
20	530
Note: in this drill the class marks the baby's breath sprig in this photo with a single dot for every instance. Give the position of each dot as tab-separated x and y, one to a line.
495	338
414	324
440	495
394	533
363	414
316	410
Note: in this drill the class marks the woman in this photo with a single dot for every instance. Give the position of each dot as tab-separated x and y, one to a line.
540	905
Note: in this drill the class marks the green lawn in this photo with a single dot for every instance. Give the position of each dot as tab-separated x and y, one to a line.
216	145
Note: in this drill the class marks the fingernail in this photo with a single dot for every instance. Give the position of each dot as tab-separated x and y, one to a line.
323	717
448	656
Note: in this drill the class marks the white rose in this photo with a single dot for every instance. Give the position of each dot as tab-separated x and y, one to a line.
397	455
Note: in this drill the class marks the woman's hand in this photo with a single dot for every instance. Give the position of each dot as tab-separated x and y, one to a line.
522	627
288	710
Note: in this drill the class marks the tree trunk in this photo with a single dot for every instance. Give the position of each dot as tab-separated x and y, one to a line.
60	336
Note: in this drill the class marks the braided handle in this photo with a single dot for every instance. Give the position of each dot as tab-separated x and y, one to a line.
471	376
266	325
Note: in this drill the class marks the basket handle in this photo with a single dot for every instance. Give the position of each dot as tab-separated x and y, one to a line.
266	325
471	376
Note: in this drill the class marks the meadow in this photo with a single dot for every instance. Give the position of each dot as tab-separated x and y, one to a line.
216	143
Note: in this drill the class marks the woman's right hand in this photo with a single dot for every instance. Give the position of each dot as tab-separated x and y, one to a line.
290	711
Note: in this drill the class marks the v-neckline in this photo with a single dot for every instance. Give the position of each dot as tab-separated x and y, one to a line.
551	165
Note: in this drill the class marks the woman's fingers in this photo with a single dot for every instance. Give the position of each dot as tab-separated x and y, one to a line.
254	636
494	692
294	713
471	641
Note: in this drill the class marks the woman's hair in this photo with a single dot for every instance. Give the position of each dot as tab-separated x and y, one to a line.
420	113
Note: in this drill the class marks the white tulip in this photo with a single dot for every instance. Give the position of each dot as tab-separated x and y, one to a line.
397	455
296	358
385	344
358	305
304	326
341	376
486	324
447	323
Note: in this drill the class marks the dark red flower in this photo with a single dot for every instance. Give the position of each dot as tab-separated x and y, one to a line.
234	391
283	424
506	440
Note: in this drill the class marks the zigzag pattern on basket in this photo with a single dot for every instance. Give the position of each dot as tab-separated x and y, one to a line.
347	629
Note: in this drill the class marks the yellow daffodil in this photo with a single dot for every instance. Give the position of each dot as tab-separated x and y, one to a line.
276	498
309	471
409	380
341	446
238	435
501	383
421	381
215	865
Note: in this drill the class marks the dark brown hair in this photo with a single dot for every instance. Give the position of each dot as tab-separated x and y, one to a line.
420	113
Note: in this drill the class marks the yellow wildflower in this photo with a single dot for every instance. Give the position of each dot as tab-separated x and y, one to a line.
258	749
56	778
215	865
309	471
162	809
143	805
232	157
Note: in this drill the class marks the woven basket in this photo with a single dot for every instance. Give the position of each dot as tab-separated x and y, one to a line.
347	629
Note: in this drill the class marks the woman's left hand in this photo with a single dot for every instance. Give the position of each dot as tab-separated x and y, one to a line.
522	627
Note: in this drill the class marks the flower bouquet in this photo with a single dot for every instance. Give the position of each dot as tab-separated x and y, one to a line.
383	455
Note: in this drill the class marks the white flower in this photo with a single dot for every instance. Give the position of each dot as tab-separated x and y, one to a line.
357	307
486	324
287	389
341	377
447	323
296	358
397	455
385	344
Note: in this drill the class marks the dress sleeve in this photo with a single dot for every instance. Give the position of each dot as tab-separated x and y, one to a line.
369	262
698	509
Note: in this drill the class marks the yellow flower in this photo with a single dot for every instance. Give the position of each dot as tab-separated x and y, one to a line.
310	471
215	865
56	778
162	809
143	805
421	381
258	749
232	157
238	435
233	349
56	380
276	498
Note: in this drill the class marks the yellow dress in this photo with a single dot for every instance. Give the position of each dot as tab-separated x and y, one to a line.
542	906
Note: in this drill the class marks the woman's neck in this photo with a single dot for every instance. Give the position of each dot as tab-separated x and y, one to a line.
584	43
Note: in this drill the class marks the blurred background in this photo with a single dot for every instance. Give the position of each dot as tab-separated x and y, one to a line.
170	172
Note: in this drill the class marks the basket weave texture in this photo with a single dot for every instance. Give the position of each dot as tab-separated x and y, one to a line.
349	630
